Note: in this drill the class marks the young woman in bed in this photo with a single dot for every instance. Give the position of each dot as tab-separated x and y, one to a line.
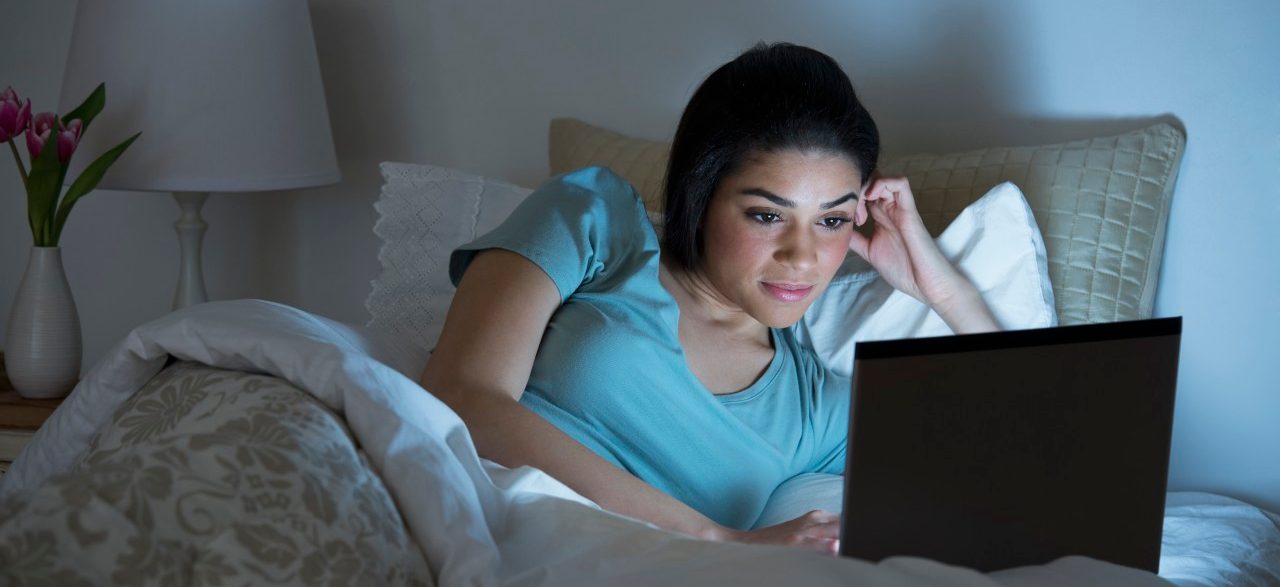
660	377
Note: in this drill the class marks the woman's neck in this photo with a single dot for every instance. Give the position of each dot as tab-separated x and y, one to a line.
707	310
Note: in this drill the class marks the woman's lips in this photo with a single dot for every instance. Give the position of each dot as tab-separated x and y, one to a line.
787	292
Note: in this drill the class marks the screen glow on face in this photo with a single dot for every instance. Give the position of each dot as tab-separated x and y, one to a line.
777	230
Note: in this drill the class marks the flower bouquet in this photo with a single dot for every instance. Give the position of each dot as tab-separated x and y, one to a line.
43	346
46	213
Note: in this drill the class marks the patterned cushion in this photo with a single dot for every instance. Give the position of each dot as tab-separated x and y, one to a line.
212	477
1102	204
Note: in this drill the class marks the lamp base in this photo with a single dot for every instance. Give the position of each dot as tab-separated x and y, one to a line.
190	227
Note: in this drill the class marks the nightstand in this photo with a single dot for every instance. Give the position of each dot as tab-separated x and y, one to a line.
19	418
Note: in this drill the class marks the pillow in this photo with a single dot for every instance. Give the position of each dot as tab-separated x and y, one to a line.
994	242
424	212
1102	204
575	144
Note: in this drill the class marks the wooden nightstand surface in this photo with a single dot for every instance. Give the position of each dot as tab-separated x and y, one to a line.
19	413
19	418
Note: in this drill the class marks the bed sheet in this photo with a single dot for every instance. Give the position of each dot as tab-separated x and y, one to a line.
1208	540
1217	540
476	523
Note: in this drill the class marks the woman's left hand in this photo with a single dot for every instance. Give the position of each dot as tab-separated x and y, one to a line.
900	248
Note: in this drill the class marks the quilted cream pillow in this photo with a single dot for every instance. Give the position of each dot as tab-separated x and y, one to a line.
575	144
1101	204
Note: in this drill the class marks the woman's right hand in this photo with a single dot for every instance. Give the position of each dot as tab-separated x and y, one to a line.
817	530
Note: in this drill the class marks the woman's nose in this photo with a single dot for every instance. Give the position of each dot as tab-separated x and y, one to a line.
797	250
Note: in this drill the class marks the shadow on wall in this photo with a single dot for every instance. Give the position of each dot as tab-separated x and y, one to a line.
381	103
957	82
377	63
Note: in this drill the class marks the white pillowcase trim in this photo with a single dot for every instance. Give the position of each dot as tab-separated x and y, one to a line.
425	212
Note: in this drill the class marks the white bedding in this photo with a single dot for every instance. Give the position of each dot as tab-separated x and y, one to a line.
1216	540
1208	540
476	522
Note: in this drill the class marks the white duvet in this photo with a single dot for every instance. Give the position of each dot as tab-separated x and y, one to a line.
477	523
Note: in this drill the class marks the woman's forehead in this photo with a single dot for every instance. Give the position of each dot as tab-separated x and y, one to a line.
794	175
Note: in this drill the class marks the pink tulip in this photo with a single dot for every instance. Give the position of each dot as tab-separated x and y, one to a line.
14	115
68	139
38	135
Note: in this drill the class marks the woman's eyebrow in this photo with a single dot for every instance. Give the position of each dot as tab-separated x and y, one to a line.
785	203
838	201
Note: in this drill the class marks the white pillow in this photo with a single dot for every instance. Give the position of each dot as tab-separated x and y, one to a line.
994	242
425	212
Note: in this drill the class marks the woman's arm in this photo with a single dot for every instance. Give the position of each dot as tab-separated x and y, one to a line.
965	311
906	256
480	369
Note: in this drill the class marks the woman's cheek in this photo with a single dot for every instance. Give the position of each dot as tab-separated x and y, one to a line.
751	252
834	253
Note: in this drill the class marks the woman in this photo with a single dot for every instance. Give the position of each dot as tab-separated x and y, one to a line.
660	377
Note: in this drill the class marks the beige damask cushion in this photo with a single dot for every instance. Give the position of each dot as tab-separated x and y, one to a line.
212	477
1101	204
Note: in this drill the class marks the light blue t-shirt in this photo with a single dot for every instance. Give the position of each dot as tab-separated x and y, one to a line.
610	371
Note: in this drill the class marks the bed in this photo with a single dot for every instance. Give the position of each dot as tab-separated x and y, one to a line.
247	441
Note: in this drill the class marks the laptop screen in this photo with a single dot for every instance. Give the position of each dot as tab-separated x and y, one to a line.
1005	449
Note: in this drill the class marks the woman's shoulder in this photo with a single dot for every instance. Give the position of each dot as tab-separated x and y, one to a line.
600	193
594	182
807	359
595	177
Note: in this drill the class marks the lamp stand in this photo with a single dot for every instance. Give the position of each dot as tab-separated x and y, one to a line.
190	227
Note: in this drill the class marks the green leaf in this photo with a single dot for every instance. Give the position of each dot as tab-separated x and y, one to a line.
88	180
43	186
88	109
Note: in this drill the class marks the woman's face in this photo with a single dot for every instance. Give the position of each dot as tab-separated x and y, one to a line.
777	230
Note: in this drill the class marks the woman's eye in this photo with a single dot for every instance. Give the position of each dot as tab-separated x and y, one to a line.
834	222
764	217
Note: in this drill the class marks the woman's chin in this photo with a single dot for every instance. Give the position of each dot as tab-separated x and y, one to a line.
782	317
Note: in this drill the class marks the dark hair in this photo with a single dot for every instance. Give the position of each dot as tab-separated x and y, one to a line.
771	98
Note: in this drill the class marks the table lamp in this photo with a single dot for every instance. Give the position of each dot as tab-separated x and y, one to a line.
227	95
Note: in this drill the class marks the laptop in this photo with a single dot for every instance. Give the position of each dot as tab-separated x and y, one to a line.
1006	449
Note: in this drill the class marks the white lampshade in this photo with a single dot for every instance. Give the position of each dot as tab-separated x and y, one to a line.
227	94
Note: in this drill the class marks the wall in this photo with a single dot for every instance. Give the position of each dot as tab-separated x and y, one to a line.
473	85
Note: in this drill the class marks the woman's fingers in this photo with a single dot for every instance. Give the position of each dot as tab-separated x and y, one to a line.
821	524
820	516
880	212
860	245
824	545
894	190
816	530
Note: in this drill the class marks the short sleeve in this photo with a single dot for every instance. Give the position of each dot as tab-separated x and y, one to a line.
576	227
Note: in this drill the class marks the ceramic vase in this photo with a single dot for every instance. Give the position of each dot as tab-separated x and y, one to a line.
42	342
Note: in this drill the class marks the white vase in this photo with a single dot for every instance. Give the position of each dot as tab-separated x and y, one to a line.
42	343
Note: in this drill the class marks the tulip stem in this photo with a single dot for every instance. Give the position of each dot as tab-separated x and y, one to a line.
22	171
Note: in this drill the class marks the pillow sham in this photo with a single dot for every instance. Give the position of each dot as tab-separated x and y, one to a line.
1102	203
426	211
994	242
